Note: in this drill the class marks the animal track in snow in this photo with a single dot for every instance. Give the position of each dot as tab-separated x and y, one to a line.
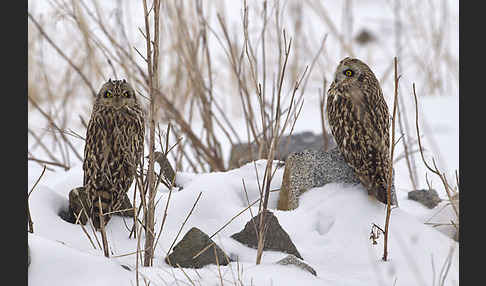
324	223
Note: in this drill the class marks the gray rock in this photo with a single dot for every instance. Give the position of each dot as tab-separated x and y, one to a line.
293	260
78	198
428	198
275	237
314	168
244	152
190	245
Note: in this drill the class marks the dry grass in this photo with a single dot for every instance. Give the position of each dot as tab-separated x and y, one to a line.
214	67
207	67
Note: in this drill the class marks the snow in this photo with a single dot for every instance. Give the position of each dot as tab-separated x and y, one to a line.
330	228
65	264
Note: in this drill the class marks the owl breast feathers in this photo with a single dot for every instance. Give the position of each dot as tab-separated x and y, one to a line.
114	146
359	120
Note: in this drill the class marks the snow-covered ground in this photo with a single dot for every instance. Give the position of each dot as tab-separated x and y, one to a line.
331	226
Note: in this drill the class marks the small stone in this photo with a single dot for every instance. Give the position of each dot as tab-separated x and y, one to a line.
275	237
190	245
166	169
315	168
293	260
428	198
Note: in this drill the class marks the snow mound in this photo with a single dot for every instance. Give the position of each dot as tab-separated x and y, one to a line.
330	228
54	263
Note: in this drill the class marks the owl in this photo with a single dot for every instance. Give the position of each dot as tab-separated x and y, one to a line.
359	120
114	148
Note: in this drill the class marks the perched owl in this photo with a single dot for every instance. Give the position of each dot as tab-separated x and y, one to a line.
114	147
359	120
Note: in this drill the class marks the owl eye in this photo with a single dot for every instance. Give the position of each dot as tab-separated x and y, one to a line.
108	94
348	72
126	94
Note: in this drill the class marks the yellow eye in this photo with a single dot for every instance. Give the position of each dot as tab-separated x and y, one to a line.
126	94
108	94
348	73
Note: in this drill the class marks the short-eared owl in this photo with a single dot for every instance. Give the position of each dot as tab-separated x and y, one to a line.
359	121
114	146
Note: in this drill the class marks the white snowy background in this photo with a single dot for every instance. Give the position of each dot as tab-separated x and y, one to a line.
332	224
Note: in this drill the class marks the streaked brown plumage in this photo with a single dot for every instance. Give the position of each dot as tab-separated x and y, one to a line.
114	146
359	120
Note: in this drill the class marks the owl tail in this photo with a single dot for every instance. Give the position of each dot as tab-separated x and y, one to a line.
380	192
104	199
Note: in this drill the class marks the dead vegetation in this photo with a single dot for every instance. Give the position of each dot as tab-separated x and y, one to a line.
200	67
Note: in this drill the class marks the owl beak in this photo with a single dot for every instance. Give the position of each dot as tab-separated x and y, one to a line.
118	101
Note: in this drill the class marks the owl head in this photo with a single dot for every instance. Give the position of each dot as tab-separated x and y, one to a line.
117	94
352	72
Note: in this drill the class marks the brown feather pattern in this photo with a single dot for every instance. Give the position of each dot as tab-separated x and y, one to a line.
114	146
359	120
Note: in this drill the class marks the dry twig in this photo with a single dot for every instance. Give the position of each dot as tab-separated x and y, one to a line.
390	171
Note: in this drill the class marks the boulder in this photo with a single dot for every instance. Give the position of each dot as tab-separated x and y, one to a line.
315	168
245	152
190	245
275	237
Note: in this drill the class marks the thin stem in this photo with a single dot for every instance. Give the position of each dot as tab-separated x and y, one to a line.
390	171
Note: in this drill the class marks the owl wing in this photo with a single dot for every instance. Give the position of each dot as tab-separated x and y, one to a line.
134	133
377	124
380	119
92	147
359	122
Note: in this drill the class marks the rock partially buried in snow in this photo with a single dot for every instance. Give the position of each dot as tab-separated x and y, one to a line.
293	260
275	237
78	198
314	168
428	198
192	244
